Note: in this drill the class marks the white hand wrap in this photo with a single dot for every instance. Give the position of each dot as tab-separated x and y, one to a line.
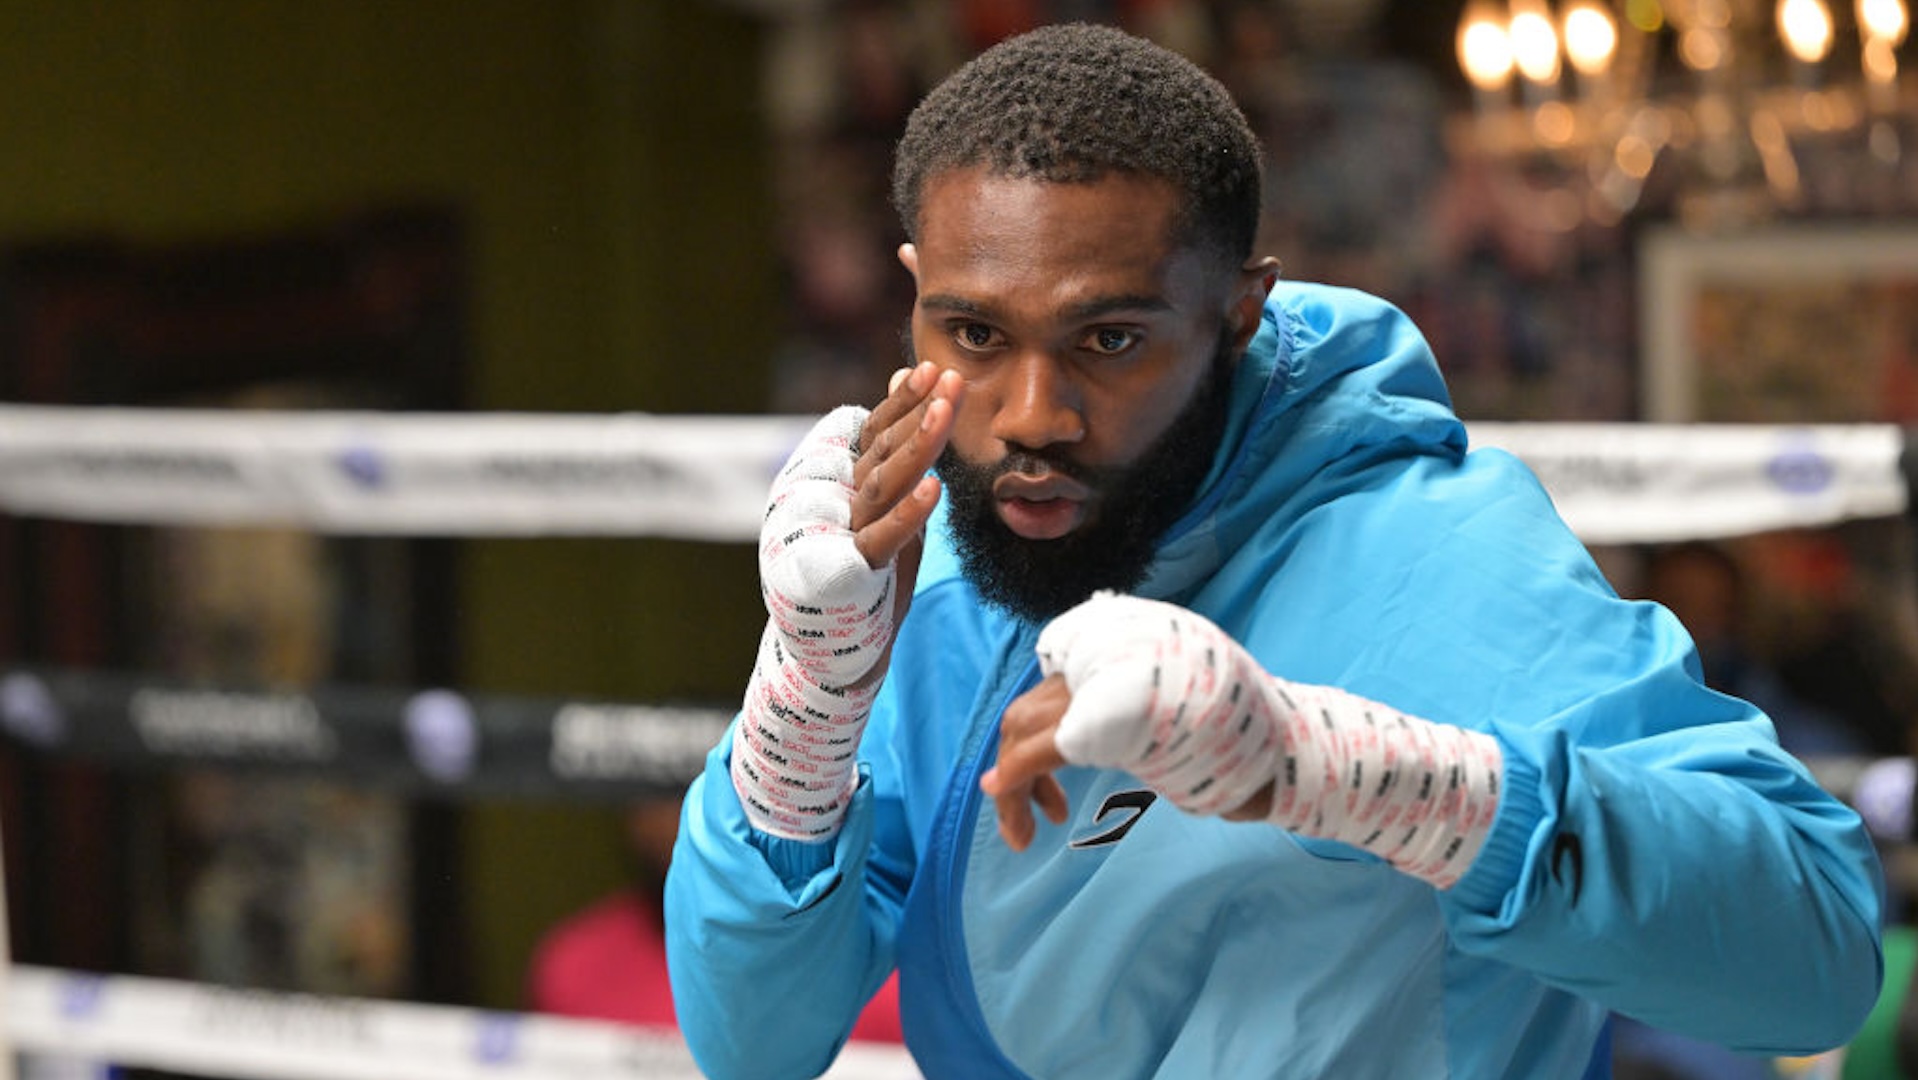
1164	694
795	749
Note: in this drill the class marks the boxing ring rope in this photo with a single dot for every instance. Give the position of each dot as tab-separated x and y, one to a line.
223	1031
524	475
705	478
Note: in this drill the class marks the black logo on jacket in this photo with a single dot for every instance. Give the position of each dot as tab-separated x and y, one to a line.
1130	803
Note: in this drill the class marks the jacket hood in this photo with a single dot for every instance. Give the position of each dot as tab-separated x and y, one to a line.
1333	379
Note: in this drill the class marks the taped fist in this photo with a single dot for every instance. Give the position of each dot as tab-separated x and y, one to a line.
1162	693
1165	695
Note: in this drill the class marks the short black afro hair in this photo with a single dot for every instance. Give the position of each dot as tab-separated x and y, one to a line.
1072	103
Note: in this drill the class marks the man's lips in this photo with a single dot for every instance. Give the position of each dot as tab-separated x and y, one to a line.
1040	507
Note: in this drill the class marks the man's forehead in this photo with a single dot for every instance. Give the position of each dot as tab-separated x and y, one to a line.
973	208
1113	192
1114	242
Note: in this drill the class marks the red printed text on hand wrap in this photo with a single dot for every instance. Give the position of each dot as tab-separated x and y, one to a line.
795	748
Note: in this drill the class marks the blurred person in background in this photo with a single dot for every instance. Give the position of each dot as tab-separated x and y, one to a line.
1703	584
607	961
1841	631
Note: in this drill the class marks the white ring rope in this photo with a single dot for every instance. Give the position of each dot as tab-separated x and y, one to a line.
256	1035
421	474
705	478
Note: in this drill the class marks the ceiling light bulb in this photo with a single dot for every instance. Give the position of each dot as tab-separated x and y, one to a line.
1484	49
1591	38
1884	19
1806	27
1535	46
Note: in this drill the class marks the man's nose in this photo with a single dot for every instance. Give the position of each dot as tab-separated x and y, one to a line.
1040	404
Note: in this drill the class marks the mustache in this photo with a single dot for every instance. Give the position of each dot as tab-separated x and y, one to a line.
1037	464
1034	464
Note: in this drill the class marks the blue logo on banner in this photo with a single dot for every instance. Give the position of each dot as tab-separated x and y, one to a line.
27	709
81	996
497	1040
363	465
442	734
1800	469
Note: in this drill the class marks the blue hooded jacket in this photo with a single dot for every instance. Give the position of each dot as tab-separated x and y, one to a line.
1654	852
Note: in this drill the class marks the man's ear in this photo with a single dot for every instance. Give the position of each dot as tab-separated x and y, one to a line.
1254	283
909	258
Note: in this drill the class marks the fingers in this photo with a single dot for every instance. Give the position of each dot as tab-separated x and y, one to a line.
1027	758
1016	827
1051	798
899	429
899	525
900	442
1256	808
1016	824
906	390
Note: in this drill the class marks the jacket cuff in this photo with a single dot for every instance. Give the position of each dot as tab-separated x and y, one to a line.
808	869
1501	862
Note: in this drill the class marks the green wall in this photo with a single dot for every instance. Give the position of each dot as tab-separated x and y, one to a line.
607	159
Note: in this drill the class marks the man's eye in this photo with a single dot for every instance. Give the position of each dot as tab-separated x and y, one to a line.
1110	340
973	335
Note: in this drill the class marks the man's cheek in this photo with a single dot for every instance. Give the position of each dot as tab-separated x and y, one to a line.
970	443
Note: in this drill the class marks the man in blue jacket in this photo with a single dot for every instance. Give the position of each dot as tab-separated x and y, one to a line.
1213	712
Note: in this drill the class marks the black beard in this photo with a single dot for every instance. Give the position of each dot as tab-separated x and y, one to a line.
1035	580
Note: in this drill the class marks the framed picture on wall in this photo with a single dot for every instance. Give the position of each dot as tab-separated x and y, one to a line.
1800	324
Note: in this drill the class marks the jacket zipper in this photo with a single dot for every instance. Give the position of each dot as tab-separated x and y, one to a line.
961	817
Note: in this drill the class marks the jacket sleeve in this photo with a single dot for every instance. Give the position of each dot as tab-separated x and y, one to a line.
775	945
1696	879
1655	850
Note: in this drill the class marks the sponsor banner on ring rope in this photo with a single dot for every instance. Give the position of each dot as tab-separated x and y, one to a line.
705	478
427	741
421	474
260	1035
1644	483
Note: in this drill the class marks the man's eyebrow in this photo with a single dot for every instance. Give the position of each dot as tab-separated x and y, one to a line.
955	305
1141	303
1098	307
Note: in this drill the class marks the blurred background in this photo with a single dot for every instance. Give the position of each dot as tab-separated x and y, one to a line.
679	206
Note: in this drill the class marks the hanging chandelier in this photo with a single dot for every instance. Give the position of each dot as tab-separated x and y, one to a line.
1733	102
